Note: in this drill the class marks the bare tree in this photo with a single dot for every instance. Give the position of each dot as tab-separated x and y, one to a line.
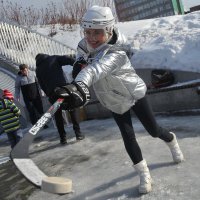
68	16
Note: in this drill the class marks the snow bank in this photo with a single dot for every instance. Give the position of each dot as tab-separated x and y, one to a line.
169	42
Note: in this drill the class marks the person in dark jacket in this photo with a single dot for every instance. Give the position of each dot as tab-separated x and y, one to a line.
9	118
50	75
26	81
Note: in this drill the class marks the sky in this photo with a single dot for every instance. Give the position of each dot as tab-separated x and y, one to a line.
190	3
43	3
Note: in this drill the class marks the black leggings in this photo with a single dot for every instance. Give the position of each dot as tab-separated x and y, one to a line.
144	113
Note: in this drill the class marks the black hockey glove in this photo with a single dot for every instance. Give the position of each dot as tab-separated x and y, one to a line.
76	94
78	66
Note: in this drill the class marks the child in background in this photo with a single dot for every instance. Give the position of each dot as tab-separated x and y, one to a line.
9	118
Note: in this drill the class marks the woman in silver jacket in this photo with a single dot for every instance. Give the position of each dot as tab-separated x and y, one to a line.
103	61
109	70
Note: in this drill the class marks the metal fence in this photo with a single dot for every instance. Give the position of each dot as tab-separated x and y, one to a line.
21	45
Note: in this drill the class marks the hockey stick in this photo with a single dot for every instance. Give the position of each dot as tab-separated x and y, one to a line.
20	153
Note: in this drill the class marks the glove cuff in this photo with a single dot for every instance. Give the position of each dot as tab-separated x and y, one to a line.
84	90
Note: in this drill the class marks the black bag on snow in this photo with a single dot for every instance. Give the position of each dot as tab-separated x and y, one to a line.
161	78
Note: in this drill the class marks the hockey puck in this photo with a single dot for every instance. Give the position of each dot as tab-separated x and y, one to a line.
57	185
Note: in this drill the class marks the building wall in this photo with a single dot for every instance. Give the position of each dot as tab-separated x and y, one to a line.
195	8
129	10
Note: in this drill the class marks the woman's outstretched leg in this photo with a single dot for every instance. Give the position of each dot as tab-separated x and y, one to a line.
145	114
125	125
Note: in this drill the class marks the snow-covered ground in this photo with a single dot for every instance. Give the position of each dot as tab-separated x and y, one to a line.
169	42
101	169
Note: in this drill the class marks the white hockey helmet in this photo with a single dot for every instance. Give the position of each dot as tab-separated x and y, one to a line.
98	17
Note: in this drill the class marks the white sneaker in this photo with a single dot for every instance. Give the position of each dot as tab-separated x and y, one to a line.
145	177
175	150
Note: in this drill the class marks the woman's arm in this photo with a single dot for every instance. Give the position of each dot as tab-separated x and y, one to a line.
99	69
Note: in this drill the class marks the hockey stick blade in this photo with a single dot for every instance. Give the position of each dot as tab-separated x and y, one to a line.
20	153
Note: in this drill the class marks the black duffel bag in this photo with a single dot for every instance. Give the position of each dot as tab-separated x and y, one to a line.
161	78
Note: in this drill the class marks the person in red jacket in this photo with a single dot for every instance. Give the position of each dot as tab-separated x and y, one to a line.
9	118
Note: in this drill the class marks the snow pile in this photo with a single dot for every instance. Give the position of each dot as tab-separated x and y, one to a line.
169	42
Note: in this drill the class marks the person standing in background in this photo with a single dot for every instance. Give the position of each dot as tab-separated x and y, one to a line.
26	82
49	71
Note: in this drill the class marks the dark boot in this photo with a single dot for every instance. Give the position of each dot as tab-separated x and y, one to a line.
79	136
63	141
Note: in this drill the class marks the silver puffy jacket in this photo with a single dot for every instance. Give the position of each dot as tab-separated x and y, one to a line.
115	82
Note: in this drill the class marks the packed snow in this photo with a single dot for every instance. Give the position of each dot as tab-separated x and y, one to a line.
169	42
100	167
